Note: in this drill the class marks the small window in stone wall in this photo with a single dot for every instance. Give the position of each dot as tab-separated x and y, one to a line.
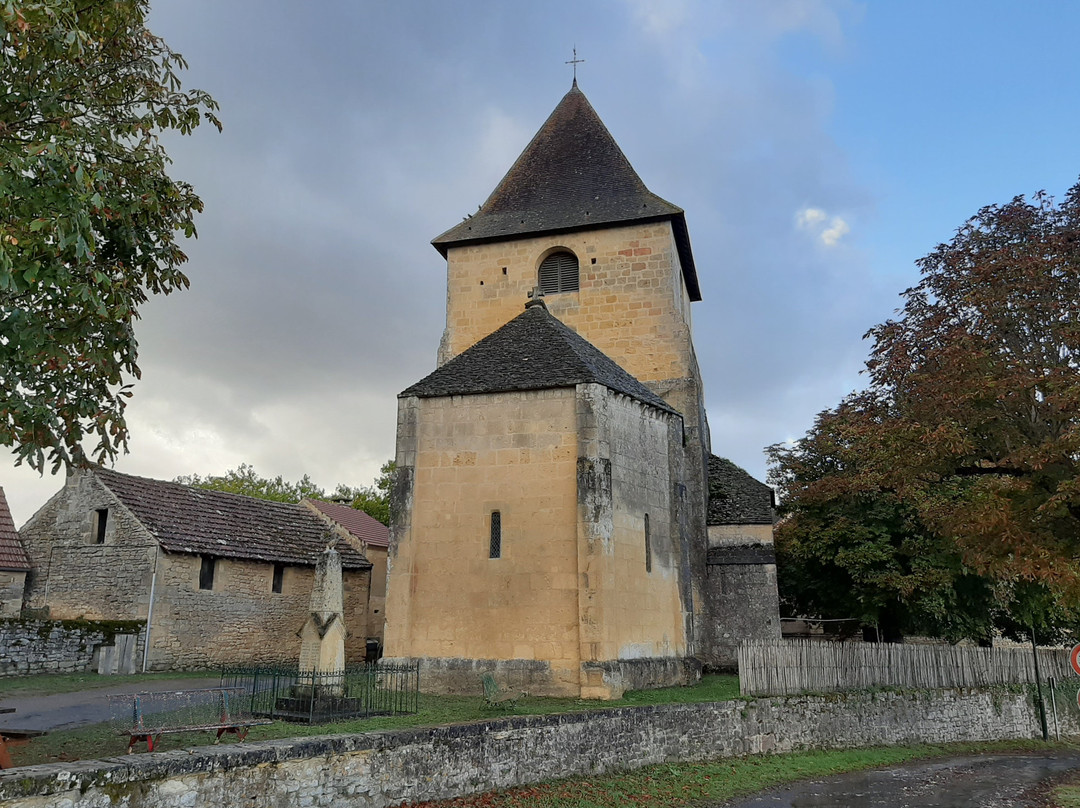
101	521
495	543
206	572
648	546
279	578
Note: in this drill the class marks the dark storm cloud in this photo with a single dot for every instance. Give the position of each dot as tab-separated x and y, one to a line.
357	131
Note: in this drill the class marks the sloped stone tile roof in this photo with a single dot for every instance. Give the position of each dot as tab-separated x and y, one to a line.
193	520
364	527
534	351
571	176
736	498
12	554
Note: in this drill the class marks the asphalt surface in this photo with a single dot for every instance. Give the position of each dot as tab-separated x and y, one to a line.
69	710
982	781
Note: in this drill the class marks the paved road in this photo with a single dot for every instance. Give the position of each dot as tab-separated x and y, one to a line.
68	710
983	781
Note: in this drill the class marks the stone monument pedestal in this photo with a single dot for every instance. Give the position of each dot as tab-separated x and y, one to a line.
320	693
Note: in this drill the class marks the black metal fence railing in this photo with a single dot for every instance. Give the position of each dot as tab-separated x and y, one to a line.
319	697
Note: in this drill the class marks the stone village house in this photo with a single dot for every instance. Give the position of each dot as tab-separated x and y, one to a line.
14	563
220	578
553	509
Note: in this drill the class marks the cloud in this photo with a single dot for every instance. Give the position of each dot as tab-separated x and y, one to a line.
816	221
810	217
316	296
836	229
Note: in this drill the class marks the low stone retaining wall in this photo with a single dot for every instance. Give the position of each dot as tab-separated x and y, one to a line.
69	646
388	768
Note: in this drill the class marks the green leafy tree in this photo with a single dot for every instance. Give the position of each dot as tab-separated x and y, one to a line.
970	426
847	549
88	216
244	480
374	500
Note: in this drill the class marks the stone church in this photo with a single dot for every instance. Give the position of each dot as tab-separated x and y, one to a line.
555	520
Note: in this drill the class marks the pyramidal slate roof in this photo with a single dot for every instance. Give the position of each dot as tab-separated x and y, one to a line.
12	554
736	498
534	351
185	519
571	176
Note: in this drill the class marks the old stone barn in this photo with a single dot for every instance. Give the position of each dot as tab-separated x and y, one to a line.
220	579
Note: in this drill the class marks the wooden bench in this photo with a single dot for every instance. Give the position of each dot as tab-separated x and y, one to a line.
495	696
145	717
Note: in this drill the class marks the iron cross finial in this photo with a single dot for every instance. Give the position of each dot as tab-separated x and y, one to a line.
575	62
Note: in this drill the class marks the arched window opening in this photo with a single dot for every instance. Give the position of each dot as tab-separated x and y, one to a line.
559	273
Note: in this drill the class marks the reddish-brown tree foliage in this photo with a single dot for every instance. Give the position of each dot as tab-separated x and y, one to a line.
971	421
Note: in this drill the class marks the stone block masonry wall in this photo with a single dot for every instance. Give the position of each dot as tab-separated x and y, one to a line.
58	646
75	577
12	584
241	621
390	768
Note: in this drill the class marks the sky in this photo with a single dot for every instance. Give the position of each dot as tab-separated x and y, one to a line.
819	148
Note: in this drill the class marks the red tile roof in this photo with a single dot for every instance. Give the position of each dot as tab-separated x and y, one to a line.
12	554
193	520
364	527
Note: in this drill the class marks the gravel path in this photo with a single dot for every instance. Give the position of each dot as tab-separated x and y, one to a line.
69	710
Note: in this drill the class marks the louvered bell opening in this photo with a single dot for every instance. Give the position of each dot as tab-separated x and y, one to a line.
559	273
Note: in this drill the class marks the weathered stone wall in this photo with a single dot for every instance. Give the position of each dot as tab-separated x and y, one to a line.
73	576
241	620
12	586
741	599
59	646
744	598
390	768
630	604
377	596
467	456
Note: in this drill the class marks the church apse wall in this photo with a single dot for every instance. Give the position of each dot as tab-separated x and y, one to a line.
449	602
633	612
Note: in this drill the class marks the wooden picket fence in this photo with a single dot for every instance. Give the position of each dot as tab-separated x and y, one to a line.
787	667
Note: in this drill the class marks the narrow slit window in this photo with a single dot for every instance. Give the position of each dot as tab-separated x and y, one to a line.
206	573
559	273
648	546
495	545
101	521
279	578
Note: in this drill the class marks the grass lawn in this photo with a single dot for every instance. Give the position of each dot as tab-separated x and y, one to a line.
99	740
695	784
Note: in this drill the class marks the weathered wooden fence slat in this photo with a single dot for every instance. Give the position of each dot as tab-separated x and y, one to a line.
770	668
